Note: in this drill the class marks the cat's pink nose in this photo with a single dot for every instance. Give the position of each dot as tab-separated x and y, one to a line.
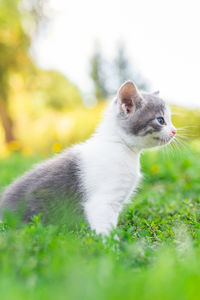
174	132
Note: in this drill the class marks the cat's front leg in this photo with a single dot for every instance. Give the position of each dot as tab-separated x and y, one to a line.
102	215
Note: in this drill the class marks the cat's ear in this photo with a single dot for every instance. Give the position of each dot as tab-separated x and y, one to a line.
128	97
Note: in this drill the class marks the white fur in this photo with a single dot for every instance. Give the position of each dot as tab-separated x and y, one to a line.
111	173
111	167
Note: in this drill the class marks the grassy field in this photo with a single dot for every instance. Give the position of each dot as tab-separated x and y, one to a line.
157	257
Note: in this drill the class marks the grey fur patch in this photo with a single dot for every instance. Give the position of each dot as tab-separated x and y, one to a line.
53	188
142	121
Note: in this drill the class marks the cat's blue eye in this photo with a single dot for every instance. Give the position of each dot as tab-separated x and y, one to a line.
161	120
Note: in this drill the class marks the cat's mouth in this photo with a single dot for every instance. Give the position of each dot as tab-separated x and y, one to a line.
162	140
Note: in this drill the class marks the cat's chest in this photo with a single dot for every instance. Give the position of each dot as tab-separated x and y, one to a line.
111	170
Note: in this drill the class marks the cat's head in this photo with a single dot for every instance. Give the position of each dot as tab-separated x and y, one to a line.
144	119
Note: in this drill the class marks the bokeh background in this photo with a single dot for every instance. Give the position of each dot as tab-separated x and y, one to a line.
60	62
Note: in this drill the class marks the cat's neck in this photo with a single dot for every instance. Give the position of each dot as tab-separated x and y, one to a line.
108	131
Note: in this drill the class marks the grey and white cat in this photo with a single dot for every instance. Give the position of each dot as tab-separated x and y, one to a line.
98	176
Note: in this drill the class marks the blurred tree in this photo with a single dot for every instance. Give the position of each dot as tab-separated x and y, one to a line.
20	21
123	70
54	90
107	76
122	66
35	14
98	74
14	57
13	54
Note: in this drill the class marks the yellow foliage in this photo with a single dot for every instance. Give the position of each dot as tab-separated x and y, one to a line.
44	130
56	147
188	121
26	151
14	146
40	129
154	169
47	130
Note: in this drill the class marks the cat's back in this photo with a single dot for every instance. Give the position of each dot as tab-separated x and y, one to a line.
58	176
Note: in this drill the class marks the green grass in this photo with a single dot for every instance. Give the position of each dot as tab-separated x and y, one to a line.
157	257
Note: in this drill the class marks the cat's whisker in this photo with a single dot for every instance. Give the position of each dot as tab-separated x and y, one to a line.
183	143
180	142
175	145
185	127
188	126
182	136
182	129
187	136
167	151
170	149
110	153
173	149
185	132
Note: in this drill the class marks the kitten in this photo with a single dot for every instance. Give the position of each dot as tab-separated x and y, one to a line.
99	176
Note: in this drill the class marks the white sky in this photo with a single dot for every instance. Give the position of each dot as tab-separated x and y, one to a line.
162	38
